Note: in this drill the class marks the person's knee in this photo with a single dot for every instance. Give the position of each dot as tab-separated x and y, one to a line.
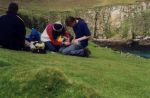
65	51
68	50
61	49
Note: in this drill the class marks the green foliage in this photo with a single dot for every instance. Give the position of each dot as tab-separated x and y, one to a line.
107	30
141	23
125	28
41	20
34	21
146	16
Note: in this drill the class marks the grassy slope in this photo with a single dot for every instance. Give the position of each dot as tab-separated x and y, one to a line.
111	74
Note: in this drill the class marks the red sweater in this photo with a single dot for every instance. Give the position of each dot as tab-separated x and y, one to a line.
50	34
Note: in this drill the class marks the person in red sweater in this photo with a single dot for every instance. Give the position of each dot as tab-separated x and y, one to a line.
55	37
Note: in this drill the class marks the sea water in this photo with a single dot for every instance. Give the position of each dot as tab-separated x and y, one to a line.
145	54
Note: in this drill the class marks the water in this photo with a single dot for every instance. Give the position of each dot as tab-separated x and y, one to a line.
145	54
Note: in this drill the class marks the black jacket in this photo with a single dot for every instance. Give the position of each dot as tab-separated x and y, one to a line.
12	31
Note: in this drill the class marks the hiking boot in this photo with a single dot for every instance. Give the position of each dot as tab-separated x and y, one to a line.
87	52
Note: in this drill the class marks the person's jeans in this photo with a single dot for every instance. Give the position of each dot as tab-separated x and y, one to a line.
51	47
76	50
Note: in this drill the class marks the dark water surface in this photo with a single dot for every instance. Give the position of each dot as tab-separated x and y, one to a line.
145	54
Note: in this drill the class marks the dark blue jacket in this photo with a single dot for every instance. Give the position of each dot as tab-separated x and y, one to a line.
12	31
81	29
34	35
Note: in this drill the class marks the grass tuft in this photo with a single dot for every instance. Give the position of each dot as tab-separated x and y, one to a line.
4	63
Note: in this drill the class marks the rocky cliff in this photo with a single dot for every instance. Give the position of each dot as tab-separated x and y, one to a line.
118	21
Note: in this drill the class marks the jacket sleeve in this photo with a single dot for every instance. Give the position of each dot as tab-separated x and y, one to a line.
21	31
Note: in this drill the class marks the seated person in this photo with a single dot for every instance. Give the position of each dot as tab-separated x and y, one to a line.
12	29
80	41
34	35
55	37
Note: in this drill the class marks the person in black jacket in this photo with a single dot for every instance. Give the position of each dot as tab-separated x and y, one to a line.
12	29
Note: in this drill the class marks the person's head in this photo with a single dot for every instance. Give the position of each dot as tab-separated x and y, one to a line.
58	28
35	27
13	7
70	21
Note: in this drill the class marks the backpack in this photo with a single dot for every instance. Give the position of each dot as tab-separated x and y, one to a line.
34	35
37	47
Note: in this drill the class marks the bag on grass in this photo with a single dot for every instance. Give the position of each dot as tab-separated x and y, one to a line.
37	47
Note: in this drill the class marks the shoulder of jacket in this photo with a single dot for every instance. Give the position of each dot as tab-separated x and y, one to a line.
20	18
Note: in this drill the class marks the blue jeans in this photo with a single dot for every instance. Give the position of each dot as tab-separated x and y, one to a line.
76	50
51	47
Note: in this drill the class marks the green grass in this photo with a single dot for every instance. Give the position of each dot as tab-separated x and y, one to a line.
106	73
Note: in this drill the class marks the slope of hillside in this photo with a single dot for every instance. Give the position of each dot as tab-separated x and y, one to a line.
106	73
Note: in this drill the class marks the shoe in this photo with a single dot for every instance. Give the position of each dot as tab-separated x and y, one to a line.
87	52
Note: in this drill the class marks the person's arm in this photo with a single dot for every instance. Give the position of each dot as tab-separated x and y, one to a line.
86	31
76	41
21	30
67	39
83	38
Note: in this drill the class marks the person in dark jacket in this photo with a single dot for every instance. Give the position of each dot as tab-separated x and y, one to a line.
12	29
80	41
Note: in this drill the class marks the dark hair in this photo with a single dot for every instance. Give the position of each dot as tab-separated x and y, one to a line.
13	7
58	27
56	33
69	20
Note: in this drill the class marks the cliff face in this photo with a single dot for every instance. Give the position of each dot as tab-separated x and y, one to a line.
118	21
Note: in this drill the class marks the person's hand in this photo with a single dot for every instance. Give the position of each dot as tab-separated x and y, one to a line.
75	41
67	43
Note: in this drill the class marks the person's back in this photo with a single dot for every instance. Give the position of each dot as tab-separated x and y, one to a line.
12	29
34	35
